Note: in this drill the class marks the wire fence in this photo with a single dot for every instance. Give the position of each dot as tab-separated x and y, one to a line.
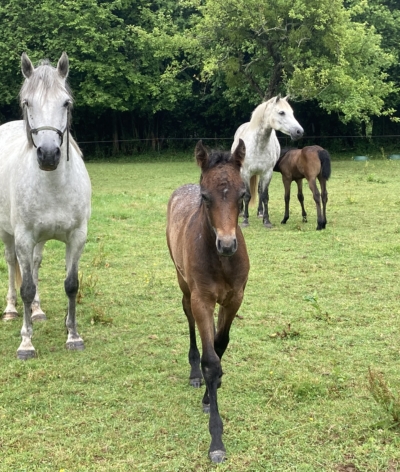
375	144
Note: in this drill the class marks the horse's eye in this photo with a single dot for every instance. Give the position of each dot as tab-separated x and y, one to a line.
67	103
25	103
282	113
205	198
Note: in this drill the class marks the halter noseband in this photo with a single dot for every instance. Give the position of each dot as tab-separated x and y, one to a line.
50	128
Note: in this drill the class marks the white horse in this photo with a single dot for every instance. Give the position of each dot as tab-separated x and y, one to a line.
45	193
263	149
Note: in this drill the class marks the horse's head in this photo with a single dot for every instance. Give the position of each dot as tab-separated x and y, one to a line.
281	118
222	191
46	101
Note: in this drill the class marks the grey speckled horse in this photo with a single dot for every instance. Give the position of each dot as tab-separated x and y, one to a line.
45	193
263	149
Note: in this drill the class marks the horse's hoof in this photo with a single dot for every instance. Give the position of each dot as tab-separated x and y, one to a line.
304	219
268	225
75	345
244	224
283	222
206	408
25	354
38	317
217	456
260	215
196	382
12	315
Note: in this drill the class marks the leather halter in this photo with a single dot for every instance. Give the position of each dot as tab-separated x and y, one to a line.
49	128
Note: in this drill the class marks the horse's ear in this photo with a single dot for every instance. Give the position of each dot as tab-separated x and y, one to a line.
239	153
63	65
286	98
201	154
278	97
26	66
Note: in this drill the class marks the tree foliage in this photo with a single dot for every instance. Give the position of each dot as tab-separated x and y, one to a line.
194	64
313	50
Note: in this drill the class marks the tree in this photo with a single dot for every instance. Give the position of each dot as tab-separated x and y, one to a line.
312	50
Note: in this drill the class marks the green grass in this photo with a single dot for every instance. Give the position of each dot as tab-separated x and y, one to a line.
320	309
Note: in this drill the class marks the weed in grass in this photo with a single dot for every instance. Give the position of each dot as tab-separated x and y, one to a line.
286	333
313	300
99	257
100	317
87	285
384	397
351	200
374	179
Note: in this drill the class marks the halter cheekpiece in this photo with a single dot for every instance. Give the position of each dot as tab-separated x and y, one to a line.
50	128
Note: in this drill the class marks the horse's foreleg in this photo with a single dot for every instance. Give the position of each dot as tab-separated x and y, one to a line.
317	198
212	372
74	249
286	184
324	197
24	250
300	197
37	313
10	312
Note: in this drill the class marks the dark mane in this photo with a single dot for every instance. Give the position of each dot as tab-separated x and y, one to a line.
284	150
217	157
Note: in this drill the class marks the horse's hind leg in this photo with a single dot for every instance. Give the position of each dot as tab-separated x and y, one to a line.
300	197
286	184
246	200
10	312
37	313
264	183
195	377
324	197
317	198
74	250
260	209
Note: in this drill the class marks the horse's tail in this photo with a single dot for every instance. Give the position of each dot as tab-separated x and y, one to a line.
325	159
18	276
253	190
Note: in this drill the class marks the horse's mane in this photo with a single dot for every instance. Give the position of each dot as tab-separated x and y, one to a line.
43	81
217	157
258	113
285	150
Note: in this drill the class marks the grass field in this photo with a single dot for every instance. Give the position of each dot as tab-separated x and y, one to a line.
320	309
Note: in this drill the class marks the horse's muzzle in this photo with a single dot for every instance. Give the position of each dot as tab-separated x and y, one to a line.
296	133
226	246
48	159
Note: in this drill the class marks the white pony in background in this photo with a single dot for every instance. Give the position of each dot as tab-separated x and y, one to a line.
45	193
263	149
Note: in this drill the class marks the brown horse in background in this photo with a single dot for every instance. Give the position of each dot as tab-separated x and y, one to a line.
311	162
212	265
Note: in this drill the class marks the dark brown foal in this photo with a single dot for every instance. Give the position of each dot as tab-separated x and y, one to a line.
312	163
212	265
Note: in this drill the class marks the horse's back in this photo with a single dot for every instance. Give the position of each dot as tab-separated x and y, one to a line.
181	206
